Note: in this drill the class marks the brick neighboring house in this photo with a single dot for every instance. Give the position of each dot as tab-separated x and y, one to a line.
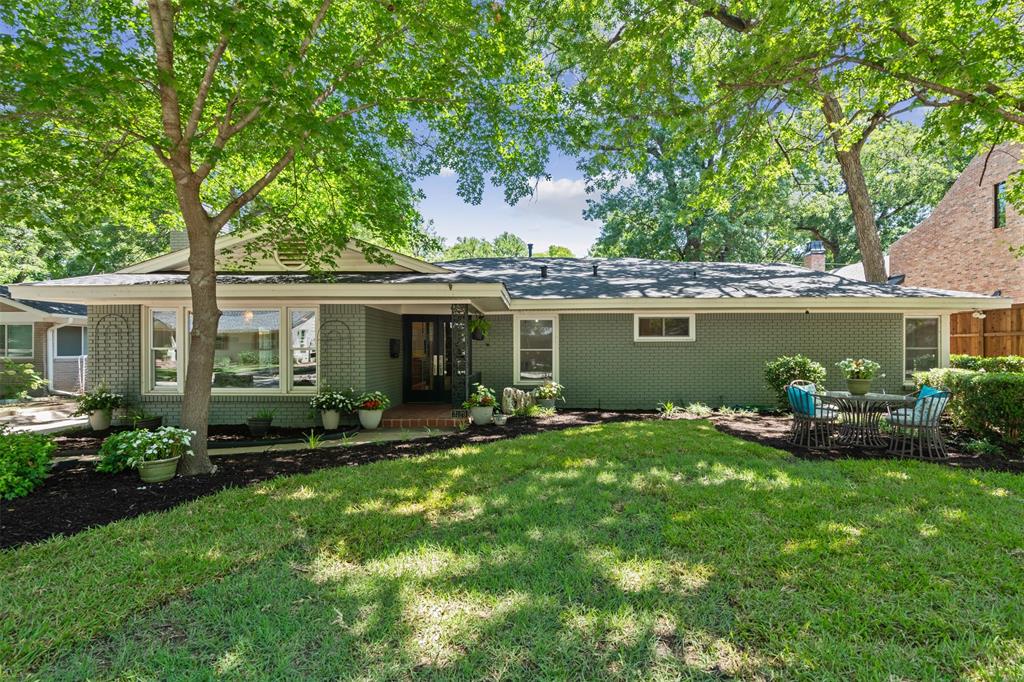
50	336
965	244
618	333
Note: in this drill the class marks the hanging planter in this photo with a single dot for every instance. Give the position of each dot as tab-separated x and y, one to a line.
478	328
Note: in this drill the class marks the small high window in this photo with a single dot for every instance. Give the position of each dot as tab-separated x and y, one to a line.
663	328
999	202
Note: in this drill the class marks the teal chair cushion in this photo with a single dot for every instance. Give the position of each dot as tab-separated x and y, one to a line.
801	401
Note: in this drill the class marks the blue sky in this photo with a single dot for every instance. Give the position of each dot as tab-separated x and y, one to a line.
553	215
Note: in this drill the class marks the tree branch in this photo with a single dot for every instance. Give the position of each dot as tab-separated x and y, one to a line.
722	15
204	87
162	18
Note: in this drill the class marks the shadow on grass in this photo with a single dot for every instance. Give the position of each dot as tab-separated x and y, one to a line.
635	550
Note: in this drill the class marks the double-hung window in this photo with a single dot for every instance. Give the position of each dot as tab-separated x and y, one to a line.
536	349
16	341
256	350
921	344
663	328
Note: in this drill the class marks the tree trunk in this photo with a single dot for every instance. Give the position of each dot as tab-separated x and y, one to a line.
202	279
857	192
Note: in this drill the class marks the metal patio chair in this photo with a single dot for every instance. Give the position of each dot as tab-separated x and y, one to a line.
813	421
916	430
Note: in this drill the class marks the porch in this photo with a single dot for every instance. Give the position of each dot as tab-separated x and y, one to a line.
419	416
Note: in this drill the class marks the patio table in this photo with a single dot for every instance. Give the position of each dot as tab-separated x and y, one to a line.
861	416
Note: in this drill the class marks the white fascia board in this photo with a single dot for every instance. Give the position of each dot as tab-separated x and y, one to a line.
830	304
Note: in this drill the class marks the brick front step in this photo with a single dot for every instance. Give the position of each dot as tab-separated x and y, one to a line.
449	423
424	417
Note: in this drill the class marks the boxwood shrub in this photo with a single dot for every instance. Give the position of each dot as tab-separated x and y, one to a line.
1004	363
986	403
781	371
24	461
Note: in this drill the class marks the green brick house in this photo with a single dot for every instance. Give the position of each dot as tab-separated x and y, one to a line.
618	333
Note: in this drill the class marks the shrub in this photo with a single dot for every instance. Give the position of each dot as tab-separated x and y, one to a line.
1005	363
17	379
128	448
782	371
24	461
984	403
951	380
983	446
699	410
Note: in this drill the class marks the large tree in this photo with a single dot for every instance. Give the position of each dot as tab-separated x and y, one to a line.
232	98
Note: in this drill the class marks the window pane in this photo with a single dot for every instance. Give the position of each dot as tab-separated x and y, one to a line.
535	365
923	333
677	326
652	326
19	340
3	340
536	333
164	356
303	340
246	350
920	360
69	341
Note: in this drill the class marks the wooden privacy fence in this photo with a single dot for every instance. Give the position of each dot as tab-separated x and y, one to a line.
1001	332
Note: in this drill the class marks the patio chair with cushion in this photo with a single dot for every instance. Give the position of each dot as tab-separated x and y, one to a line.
916	429
813	420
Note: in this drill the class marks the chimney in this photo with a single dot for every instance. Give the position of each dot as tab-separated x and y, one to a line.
529	250
814	256
179	240
543	271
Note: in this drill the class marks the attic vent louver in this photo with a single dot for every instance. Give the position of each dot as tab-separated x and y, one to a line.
291	255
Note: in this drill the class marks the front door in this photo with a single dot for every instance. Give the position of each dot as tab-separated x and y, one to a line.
427	358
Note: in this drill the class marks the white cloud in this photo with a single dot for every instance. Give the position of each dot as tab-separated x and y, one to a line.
447	172
561	199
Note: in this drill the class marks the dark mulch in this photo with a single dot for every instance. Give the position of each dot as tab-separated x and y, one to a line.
87	441
773	431
75	497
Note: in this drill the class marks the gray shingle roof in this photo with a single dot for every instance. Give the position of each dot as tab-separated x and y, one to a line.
573	278
46	307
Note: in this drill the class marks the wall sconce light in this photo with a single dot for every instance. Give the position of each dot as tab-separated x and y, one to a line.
394	348
247	316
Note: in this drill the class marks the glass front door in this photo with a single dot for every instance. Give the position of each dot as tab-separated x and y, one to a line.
428	366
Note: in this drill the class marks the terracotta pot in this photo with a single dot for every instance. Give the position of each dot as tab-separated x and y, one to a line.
370	419
482	415
99	420
330	418
158	470
858	386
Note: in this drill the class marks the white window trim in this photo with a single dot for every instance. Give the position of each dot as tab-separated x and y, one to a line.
692	336
516	347
56	348
943	347
19	358
284	351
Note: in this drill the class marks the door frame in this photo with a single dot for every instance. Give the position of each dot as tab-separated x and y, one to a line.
438	394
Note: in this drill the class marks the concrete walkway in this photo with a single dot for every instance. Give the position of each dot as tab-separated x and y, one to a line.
41	415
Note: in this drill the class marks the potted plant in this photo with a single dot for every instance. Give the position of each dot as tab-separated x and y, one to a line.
331	405
478	328
370	407
156	453
260	423
141	419
500	418
481	403
859	374
98	404
547	393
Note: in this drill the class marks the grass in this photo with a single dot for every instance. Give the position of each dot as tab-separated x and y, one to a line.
647	549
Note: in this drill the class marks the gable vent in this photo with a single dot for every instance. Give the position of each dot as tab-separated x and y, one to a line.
291	255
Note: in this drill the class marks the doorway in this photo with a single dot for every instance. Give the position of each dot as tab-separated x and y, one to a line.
427	363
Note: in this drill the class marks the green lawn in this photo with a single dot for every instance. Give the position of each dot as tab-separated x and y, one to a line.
645	549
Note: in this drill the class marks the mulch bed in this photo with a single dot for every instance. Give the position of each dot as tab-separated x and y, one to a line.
75	497
773	431
87	441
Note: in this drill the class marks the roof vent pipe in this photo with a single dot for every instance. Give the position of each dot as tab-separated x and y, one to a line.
543	271
529	250
595	269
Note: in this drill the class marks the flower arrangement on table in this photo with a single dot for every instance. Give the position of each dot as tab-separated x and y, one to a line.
861	368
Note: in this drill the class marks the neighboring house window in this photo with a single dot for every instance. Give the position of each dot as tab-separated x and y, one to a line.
663	328
16	341
536	349
921	344
72	342
255	349
163	354
999	201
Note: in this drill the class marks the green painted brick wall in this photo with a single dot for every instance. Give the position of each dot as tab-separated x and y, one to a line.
601	365
383	373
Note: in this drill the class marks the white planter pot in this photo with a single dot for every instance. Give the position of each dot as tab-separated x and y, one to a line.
99	420
482	415
546	404
500	419
370	419
330	419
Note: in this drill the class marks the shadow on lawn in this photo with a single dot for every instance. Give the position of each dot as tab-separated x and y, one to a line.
663	551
